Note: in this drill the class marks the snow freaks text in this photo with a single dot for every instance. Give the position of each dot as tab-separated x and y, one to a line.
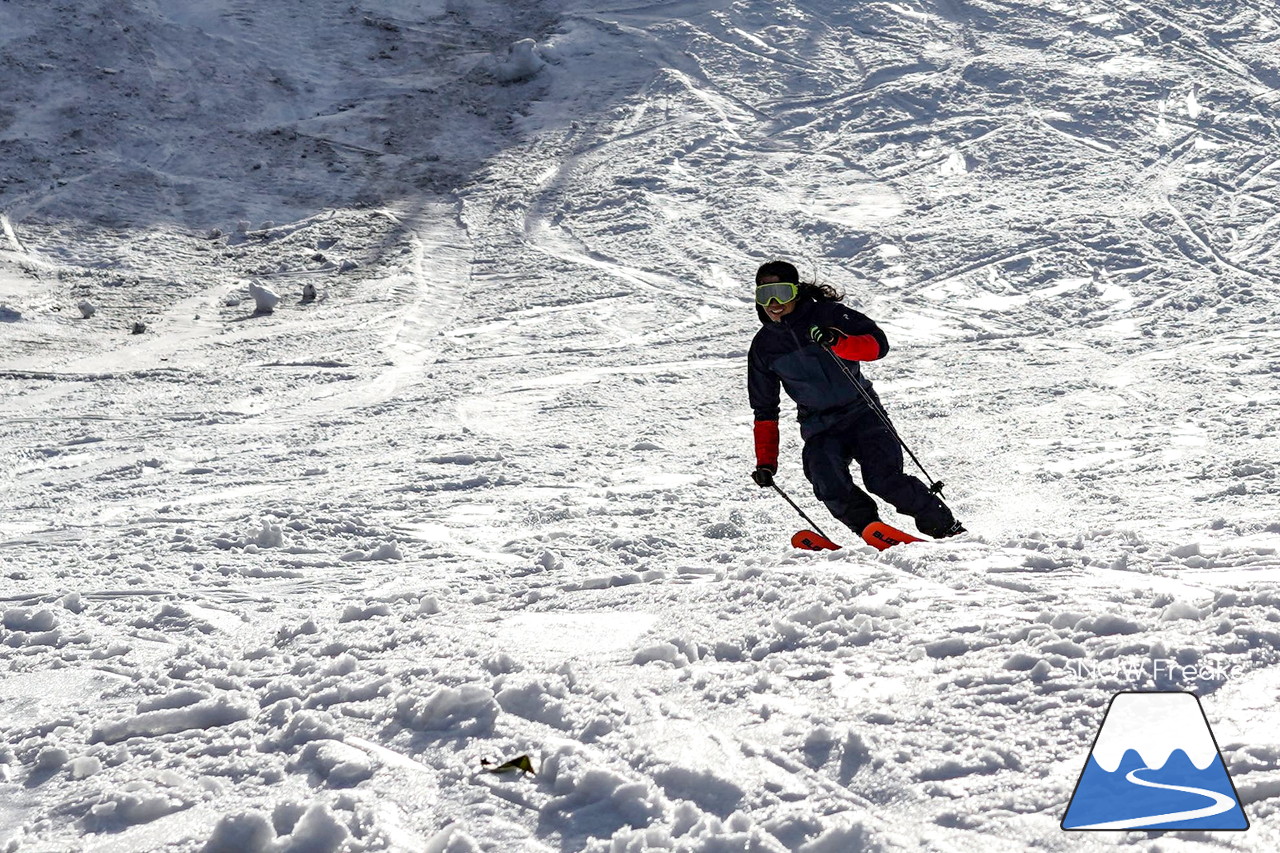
1159	670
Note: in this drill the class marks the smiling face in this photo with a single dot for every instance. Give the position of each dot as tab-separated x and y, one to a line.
775	311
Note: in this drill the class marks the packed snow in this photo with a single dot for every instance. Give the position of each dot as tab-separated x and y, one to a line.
374	414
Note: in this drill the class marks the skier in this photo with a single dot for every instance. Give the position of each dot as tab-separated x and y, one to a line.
838	423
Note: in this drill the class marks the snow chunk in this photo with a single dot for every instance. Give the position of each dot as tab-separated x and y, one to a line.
1181	610
172	617
842	839
605	582
1021	662
74	602
499	664
1108	624
29	619
222	711
337	763
815	614
177	699
84	767
343	664
306	727
52	758
470	708
356	613
662	652
948	648
702	786
451	839
1066	648
130	807
318	831
264	298
692	830
246	832
610	799
536	701
53	638
723	530
522	62
1066	619
549	561
385	551
270	535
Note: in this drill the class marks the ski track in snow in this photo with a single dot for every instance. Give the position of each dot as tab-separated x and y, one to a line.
282	581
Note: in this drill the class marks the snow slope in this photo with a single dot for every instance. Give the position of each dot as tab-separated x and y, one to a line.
282	581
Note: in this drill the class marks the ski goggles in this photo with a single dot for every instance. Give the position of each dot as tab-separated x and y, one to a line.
781	292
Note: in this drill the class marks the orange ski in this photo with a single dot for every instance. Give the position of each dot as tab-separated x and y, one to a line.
807	540
880	536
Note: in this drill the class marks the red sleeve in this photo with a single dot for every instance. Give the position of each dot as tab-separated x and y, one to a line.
766	434
858	348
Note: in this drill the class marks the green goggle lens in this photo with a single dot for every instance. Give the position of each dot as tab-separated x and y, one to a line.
782	292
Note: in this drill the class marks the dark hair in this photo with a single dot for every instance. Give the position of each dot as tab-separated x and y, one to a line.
786	271
781	269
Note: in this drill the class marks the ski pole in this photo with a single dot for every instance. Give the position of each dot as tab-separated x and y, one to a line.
787	498
934	486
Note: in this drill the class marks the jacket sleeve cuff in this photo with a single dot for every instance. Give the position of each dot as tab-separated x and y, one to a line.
858	348
766	436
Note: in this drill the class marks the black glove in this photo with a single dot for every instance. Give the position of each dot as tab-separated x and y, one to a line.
763	475
824	337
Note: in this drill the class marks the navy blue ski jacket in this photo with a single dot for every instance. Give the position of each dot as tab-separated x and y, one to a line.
784	356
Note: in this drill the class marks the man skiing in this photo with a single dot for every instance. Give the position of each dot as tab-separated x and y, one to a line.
840	422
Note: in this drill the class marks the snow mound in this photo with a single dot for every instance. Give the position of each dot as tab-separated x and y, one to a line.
522	62
29	619
220	711
317	829
264	298
470	709
337	763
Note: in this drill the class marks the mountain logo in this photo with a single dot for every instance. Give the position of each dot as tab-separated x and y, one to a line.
1155	765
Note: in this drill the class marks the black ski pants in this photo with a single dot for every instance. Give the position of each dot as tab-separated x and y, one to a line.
863	438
